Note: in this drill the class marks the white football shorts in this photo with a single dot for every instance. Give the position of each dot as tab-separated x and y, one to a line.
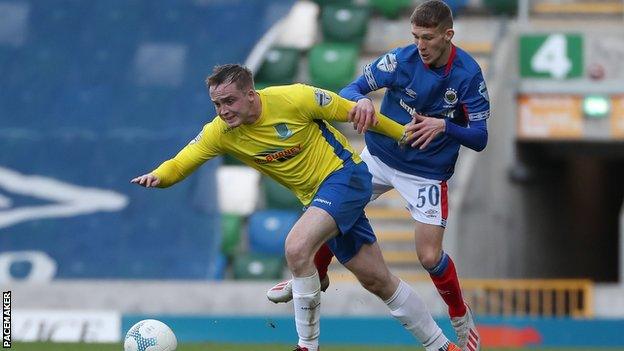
427	199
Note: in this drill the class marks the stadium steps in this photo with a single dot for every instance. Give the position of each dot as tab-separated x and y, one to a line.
340	275
579	8
396	236
387	213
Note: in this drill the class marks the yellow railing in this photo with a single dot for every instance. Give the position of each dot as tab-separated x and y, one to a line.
544	298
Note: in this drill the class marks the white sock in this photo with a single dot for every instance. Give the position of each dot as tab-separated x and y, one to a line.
307	304
410	309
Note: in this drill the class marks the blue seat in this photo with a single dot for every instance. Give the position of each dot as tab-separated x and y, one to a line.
84	105
221	263
141	106
58	22
268	229
170	21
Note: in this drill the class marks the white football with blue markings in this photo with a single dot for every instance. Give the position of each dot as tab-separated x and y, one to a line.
150	335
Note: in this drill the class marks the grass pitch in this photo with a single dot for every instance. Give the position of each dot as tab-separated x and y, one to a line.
255	347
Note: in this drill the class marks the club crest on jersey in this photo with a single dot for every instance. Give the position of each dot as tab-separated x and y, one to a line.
483	91
322	97
450	96
388	63
282	131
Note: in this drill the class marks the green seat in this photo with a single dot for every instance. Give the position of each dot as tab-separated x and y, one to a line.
502	7
390	8
330	2
262	85
231	233
279	67
231	160
344	23
258	267
278	196
332	65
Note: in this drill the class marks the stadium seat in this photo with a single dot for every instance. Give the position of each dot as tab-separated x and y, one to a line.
279	197
279	66
390	8
221	262
267	230
231	161
237	189
258	267
457	6
344	23
140	105
332	65
231	233
57	22
502	7
331	2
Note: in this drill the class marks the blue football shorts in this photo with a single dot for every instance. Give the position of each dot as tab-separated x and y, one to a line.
344	194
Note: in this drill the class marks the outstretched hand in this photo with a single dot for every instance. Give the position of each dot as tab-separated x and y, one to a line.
362	115
422	130
147	180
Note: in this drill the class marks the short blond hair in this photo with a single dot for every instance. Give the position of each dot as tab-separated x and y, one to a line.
231	73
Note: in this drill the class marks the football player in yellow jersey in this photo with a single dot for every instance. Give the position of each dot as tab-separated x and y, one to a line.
283	132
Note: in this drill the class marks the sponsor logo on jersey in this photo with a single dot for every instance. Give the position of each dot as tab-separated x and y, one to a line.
282	131
411	93
450	114
323	201
407	108
196	139
431	213
277	155
483	91
370	78
478	116
450	97
387	63
322	97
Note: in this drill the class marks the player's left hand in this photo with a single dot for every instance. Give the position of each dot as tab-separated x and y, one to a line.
362	115
423	130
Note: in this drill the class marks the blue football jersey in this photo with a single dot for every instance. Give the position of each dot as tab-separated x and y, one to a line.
456	92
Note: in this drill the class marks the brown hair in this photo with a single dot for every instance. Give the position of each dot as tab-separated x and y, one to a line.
231	73
432	14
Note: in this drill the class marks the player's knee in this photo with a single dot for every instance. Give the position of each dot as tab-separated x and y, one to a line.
298	257
375	284
372	285
429	258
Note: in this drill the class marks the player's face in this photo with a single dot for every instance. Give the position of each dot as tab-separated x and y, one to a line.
234	106
434	44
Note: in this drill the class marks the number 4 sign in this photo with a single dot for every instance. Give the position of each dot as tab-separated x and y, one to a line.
557	56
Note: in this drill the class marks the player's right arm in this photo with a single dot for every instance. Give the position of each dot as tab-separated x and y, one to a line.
378	74
204	147
317	103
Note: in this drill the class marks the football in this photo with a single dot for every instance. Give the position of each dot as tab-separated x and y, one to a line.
150	335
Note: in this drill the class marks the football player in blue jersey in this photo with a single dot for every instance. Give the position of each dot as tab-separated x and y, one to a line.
442	89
